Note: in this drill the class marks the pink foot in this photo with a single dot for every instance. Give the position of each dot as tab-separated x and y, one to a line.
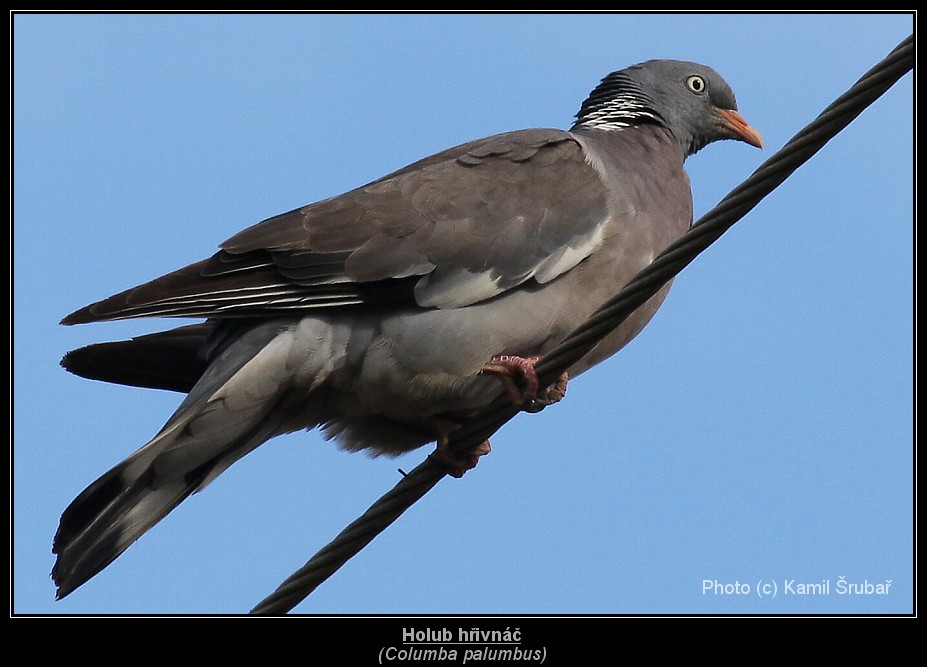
520	381
455	467
446	459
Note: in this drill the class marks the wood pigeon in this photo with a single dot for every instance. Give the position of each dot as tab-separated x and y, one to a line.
387	315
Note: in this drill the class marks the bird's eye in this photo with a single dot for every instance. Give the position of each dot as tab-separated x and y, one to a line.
696	84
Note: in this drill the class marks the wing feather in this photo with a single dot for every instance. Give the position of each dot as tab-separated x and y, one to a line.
451	230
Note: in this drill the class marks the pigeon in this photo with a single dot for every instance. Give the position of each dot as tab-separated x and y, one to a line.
388	315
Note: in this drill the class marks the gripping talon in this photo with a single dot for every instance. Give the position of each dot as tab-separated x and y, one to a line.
520	381
456	468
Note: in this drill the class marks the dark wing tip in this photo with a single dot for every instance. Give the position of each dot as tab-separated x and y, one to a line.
82	316
169	360
143	300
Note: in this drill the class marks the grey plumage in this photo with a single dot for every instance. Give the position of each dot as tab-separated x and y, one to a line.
371	314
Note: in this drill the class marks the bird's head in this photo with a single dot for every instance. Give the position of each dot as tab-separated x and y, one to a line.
692	101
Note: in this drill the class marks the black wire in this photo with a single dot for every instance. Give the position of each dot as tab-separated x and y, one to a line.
767	177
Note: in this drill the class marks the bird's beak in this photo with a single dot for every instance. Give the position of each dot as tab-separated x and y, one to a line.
740	127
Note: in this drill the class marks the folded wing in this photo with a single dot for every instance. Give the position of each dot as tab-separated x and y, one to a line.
451	230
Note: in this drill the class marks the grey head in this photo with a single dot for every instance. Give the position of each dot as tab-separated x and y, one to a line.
692	101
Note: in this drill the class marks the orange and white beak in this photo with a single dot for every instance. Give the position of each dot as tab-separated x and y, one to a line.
740	127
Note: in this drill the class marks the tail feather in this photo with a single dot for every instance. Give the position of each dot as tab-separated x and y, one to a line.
108	517
237	404
121	506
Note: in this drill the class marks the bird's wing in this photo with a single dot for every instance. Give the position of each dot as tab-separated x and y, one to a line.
172	359
451	230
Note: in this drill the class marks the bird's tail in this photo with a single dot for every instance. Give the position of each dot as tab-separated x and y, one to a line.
115	511
237	404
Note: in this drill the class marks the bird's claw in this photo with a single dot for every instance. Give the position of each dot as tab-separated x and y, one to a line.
520	381
456	467
553	394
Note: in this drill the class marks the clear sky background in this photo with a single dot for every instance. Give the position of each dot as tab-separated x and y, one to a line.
760	429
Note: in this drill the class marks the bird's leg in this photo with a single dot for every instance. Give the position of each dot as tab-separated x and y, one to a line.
520	381
446	459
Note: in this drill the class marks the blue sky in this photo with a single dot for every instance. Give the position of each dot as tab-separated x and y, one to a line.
759	430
